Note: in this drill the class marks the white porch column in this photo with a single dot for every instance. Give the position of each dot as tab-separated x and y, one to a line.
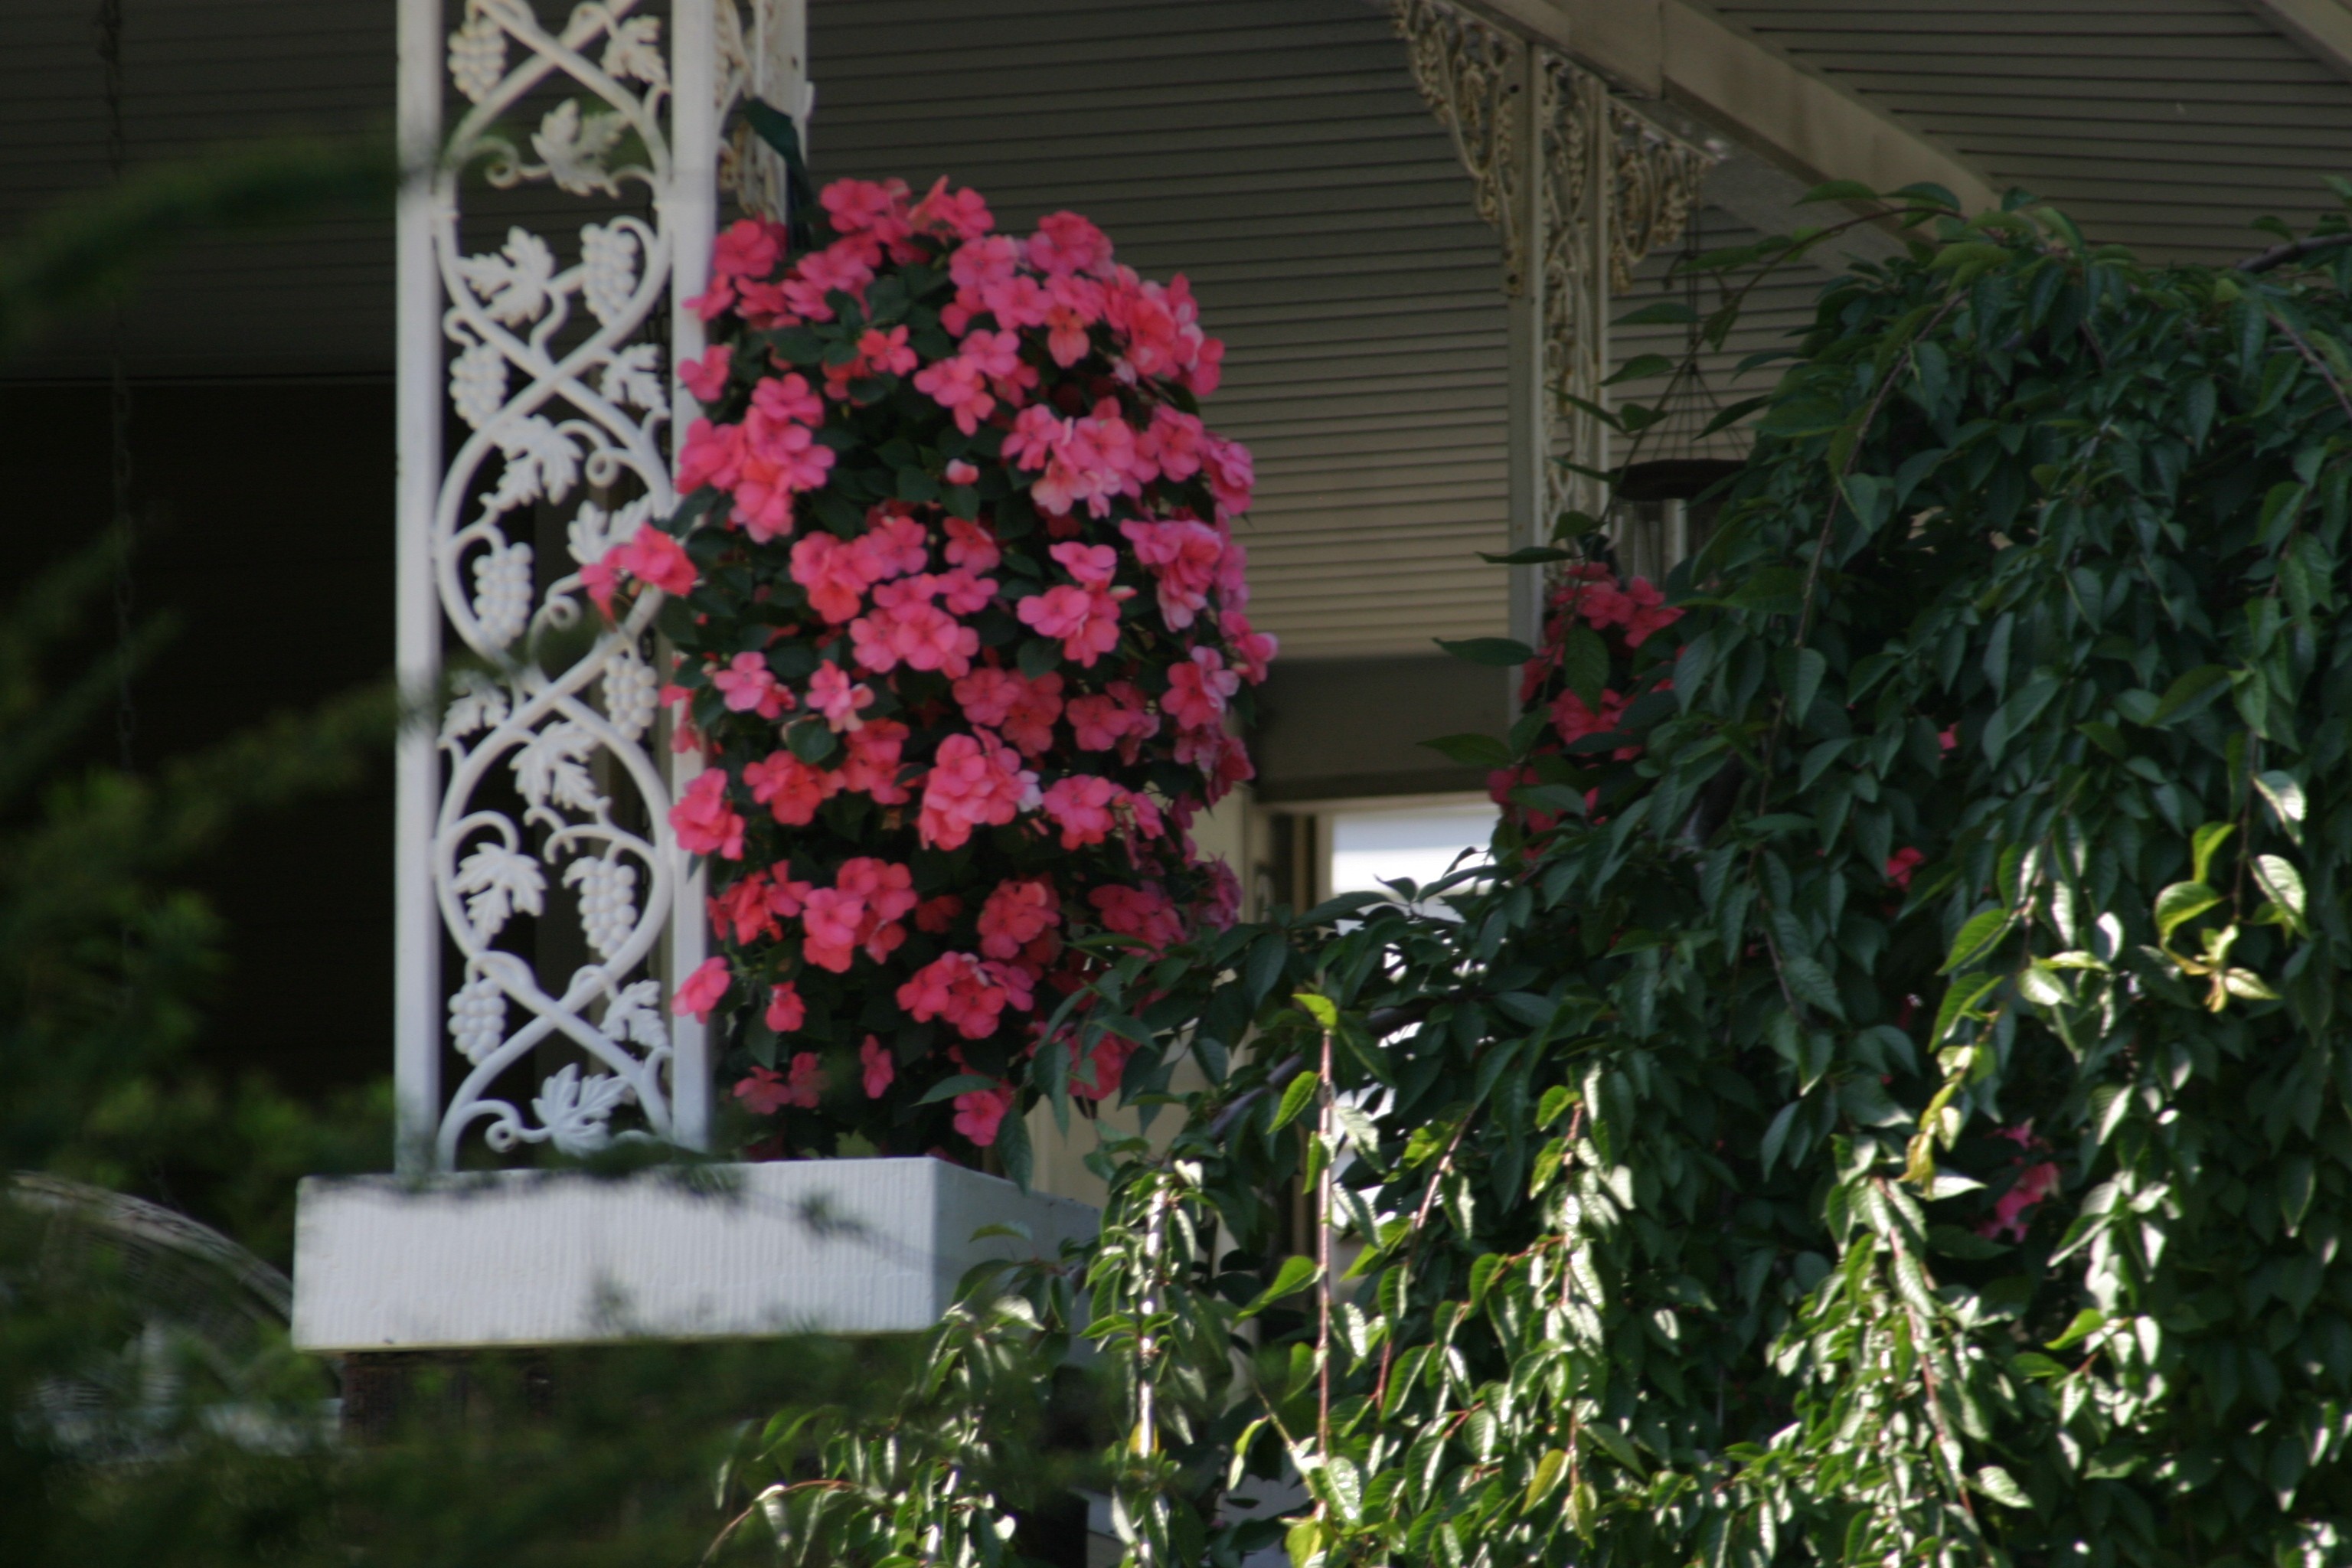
1531	485
416	925
541	355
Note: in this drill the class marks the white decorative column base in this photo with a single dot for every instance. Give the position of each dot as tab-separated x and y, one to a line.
549	1257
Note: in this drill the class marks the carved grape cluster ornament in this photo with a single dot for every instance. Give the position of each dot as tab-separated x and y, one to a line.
961	635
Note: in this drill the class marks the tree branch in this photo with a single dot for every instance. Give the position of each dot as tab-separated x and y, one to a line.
2294	250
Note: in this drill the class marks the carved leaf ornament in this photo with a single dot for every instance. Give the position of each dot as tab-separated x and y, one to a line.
1614	188
962	630
561	389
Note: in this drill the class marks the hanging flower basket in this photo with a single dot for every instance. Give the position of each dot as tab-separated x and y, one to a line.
962	639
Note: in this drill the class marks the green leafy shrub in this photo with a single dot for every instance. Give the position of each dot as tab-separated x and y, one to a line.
1903	1118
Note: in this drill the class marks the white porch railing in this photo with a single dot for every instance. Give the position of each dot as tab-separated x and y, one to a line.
545	253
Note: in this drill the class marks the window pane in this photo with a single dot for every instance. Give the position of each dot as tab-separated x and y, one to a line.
1368	847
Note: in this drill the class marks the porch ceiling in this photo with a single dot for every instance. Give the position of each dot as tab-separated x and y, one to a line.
2165	125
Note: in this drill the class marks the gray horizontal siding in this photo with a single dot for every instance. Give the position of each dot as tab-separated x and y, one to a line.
200	74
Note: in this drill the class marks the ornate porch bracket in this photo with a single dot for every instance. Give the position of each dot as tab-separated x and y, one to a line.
1579	187
537	412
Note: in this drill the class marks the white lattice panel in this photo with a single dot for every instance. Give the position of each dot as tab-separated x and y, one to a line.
536	411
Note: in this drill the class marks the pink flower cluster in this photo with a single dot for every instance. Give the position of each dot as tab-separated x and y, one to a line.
1626	614
968	648
967	991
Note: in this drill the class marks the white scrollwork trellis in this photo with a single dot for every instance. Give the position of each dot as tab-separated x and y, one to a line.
551	336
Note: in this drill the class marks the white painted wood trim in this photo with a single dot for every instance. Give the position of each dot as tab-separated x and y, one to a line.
1682	53
417	1021
2323	26
554	1257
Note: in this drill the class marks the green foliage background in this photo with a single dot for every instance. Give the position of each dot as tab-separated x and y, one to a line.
1669	1170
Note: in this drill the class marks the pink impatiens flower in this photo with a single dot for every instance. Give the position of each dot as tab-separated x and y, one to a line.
1573	721
1199	689
705	824
1901	864
1092	564
743	910
748	247
968	993
652	557
1022	711
764	1091
835	575
1172	442
980	1112
2013	1210
1253	650
790	788
1065	243
845	265
1016	914
880	1067
753	903
861	910
1036	435
1106	1065
969	544
1075	305
703	990
808	1083
1649	614
1084	619
875	208
1231	473
1142	911
778	456
960	387
875	747
907	627
829	919
1184	555
832	693
1104	722
706	377
786	1010
1081	807
974	783
957	214
750	686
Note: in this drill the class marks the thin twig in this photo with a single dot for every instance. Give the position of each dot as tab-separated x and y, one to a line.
1412	1245
1380	1023
1323	1258
2293	250
2312	360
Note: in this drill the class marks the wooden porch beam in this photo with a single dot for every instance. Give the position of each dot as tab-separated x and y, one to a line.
2323	26
1684	56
